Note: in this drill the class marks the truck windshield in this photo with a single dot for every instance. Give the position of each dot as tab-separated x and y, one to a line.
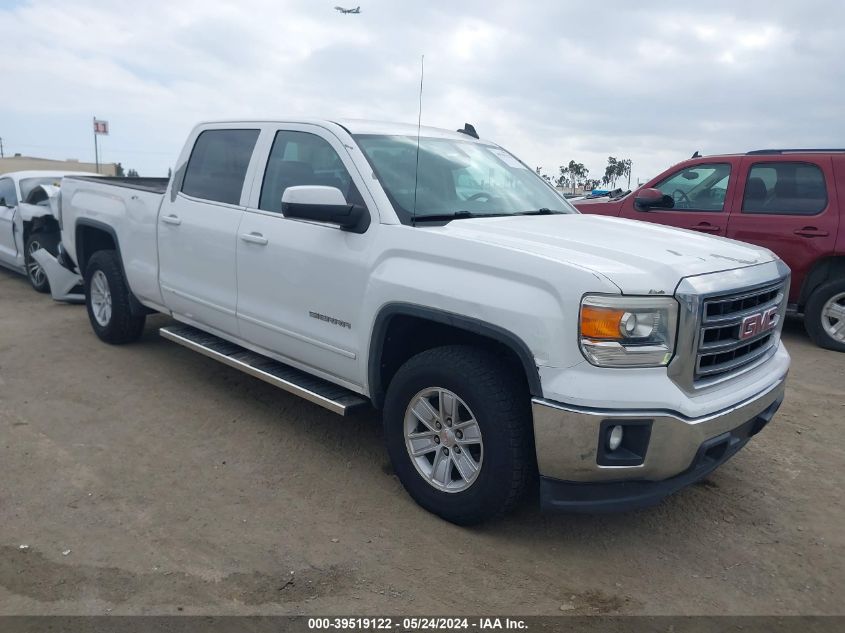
456	179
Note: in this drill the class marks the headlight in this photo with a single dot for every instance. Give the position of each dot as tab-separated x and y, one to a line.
620	331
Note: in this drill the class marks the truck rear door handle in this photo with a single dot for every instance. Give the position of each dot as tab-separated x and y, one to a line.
254	238
811	231
171	219
706	227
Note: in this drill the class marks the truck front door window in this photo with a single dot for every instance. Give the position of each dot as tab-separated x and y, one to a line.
301	158
698	188
218	164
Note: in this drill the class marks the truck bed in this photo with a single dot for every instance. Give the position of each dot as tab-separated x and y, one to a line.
153	185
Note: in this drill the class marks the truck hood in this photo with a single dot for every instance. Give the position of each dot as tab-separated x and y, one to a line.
638	257
605	205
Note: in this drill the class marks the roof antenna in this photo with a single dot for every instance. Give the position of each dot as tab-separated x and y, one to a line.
419	124
469	130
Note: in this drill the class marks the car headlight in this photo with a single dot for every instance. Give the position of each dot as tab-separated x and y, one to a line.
620	331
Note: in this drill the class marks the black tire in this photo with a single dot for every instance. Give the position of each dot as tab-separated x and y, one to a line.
813	314
123	326
36	240
499	401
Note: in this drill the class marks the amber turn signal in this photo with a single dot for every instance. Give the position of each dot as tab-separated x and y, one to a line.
601	323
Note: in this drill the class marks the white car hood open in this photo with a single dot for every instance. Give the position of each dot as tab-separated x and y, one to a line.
638	257
30	210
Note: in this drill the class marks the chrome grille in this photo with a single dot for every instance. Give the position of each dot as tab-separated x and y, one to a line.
721	350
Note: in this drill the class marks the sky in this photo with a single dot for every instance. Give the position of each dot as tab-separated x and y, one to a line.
550	80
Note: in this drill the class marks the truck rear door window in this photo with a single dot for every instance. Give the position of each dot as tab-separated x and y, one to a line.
218	164
785	189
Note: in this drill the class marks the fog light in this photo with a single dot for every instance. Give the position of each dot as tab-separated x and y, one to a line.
615	439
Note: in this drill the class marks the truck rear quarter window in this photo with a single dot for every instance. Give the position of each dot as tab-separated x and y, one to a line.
301	158
218	164
783	188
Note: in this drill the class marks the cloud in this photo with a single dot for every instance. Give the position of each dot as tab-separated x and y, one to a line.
551	81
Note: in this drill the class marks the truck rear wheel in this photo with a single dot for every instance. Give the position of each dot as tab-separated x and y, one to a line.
108	301
457	424
36	241
824	316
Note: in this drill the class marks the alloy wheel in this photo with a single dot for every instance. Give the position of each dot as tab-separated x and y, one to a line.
36	273
833	317
101	305
443	440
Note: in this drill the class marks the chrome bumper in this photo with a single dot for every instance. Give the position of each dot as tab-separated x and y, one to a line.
567	438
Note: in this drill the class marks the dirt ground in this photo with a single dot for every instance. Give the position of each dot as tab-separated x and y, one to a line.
149	479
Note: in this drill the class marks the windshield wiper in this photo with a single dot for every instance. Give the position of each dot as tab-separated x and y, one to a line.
457	215
540	211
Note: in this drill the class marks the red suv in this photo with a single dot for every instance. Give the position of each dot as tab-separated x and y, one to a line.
788	200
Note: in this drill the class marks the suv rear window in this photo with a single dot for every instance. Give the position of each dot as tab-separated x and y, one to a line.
785	189
218	164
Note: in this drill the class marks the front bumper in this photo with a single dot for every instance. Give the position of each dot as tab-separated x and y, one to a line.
678	451
65	284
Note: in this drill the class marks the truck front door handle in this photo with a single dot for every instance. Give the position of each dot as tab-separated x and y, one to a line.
171	219
706	227
254	238
811	231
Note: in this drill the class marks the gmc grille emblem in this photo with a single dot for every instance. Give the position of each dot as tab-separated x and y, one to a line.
755	324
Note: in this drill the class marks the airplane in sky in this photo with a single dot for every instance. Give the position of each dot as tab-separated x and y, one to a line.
354	11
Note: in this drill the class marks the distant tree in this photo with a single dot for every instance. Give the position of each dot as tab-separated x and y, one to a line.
609	178
591	183
132	174
626	170
563	178
577	174
540	173
118	170
616	169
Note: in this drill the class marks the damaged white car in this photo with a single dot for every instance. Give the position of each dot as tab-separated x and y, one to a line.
28	224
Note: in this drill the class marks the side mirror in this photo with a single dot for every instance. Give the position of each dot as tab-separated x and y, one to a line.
653	199
324	204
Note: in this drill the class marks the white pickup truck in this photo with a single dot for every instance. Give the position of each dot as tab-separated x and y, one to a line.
434	276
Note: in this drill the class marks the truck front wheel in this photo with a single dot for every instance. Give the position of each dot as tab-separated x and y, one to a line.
457	422
36	241
109	302
824	316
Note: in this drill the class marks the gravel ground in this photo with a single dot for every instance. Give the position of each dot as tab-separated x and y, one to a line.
148	479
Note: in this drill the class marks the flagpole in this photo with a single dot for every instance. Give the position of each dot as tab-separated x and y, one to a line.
96	149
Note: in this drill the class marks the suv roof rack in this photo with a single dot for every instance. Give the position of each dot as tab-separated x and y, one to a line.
792	151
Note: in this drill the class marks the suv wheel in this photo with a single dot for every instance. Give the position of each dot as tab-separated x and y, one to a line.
36	275
457	422
824	316
108	300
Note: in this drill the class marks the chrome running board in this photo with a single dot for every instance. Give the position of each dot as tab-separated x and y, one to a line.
334	398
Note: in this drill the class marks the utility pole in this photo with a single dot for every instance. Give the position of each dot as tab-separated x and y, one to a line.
2	155
96	149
